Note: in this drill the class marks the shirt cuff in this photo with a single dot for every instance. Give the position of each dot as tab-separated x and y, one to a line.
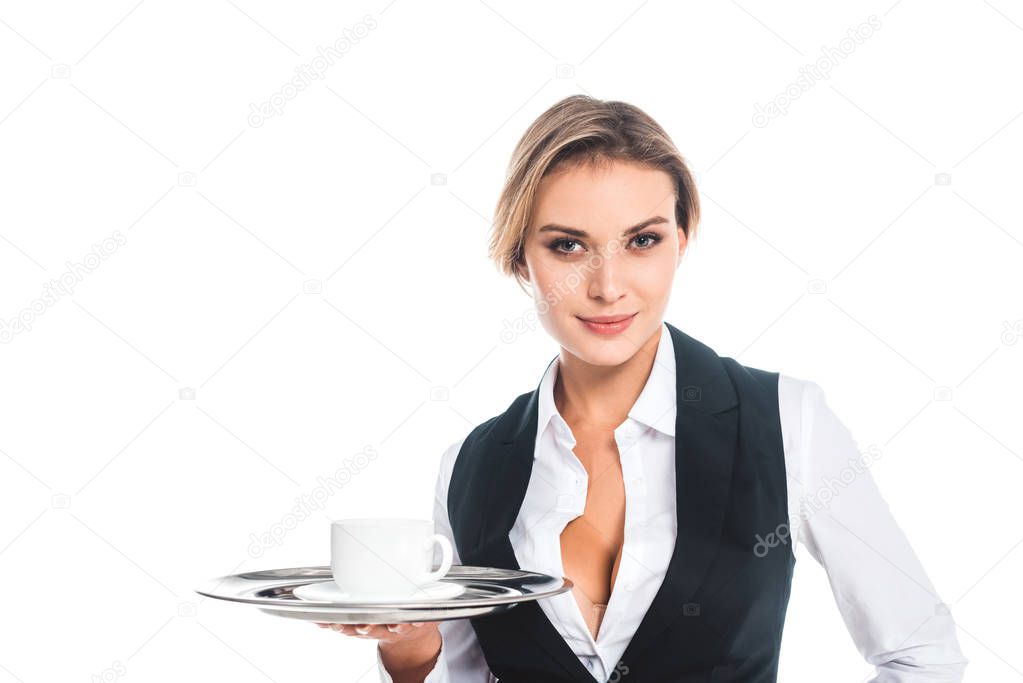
438	674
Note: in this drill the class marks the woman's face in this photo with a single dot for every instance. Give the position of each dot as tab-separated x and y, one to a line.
603	242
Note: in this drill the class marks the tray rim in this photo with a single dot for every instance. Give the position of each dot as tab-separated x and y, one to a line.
209	587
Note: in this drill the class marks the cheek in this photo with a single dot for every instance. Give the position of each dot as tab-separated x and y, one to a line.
543	282
653	275
557	281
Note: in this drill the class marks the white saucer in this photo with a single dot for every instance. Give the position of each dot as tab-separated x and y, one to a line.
328	591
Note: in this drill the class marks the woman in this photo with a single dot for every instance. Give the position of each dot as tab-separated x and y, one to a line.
668	483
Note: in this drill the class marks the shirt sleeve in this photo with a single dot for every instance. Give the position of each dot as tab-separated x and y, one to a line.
461	658
891	609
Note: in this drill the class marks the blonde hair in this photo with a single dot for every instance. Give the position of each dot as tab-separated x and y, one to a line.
582	129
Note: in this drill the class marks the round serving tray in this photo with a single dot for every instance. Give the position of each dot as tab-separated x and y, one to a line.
487	590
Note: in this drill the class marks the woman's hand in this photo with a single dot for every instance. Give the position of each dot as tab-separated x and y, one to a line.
408	652
387	633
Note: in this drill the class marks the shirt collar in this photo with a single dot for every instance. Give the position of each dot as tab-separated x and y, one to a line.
655	407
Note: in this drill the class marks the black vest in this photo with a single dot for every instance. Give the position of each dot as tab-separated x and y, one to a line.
719	612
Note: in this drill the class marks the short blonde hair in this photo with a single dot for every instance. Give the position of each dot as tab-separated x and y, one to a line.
583	129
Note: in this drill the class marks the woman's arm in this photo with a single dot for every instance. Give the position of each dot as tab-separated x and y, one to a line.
461	659
889	605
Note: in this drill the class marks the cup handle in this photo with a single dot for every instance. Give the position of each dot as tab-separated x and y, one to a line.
446	554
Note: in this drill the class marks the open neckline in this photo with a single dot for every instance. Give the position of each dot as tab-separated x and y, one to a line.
577	590
593	615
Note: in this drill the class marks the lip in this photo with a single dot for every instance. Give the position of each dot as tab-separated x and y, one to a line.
607	324
607	318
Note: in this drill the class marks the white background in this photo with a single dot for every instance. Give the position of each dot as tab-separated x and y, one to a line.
322	290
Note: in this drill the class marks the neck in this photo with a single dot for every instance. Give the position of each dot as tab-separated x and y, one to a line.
602	395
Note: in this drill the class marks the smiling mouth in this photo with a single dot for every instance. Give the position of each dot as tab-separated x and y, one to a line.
607	325
606	319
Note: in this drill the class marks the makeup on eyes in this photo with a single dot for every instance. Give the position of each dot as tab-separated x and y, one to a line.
556	244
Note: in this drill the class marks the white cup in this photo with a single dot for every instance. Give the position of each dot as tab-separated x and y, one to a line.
382	557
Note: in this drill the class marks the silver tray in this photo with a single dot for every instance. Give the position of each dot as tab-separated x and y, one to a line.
487	590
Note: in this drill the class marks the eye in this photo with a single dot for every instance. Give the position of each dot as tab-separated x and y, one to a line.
651	239
557	245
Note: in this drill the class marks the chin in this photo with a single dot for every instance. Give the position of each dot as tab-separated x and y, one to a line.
595	350
608	358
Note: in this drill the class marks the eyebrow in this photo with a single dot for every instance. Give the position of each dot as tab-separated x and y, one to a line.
575	232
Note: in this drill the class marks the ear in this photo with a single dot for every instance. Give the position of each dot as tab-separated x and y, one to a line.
683	244
522	271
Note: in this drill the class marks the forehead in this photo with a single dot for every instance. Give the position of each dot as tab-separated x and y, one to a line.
607	197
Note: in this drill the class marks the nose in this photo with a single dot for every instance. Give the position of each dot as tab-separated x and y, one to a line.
605	281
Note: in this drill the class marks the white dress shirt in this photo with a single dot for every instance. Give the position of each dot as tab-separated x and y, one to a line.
889	606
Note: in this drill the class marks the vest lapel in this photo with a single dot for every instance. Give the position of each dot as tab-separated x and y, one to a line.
706	439
512	470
